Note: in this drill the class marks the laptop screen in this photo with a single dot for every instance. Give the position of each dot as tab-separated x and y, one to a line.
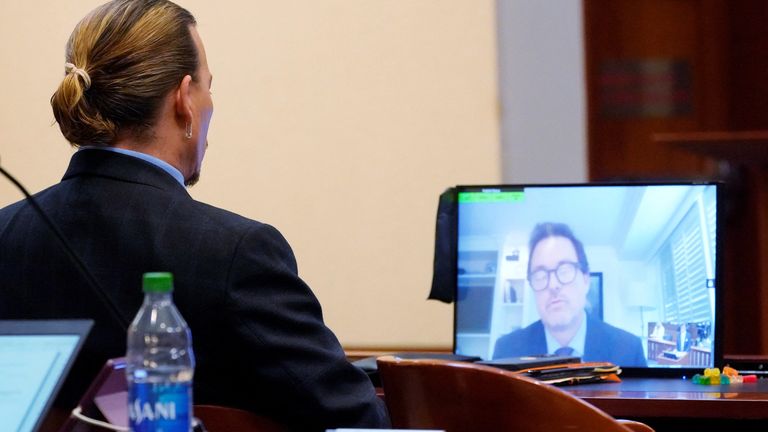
625	273
35	357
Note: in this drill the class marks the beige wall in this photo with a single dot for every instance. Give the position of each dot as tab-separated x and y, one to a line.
338	121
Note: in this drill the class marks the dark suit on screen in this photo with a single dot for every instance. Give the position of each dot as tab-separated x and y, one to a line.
603	342
258	332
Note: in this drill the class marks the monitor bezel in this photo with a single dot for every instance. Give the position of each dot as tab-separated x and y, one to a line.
660	372
79	327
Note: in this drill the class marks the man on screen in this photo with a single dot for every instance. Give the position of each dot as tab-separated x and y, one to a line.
558	273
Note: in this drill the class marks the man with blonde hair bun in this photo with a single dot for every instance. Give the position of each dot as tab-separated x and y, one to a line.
135	101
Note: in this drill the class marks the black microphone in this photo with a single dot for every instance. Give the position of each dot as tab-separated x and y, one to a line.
93	284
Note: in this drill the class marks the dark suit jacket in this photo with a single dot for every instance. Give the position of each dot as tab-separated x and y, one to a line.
604	342
257	329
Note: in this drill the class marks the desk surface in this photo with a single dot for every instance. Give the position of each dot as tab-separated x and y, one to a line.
677	398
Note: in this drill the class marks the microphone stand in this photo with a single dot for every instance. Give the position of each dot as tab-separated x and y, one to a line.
93	284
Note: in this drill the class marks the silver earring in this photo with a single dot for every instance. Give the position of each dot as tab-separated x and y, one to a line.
188	131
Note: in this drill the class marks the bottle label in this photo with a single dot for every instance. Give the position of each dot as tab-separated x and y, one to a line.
160	407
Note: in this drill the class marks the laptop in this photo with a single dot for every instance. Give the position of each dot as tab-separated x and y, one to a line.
642	290
35	357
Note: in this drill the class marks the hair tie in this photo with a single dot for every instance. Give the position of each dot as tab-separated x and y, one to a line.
71	68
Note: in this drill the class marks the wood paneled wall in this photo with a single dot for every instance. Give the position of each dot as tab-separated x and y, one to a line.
722	49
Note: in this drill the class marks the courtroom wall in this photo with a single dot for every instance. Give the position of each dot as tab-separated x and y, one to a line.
543	92
337	121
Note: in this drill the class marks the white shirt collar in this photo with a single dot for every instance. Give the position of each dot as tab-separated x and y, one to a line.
577	343
170	169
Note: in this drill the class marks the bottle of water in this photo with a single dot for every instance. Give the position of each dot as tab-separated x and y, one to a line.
160	362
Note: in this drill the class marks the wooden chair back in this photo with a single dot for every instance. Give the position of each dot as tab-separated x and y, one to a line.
465	397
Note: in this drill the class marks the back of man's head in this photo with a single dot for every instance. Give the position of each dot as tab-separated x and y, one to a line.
122	59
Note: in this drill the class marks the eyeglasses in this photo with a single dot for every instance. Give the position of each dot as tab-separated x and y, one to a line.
565	272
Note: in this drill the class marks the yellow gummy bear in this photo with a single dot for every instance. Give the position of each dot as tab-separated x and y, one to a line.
712	372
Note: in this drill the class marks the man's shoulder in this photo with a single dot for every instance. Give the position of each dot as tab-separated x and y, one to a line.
221	215
609	343
7	213
524	341
533	330
612	333
11	211
230	225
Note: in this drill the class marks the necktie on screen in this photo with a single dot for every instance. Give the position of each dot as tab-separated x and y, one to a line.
564	351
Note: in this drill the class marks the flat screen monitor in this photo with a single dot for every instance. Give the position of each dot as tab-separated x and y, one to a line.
35	357
625	273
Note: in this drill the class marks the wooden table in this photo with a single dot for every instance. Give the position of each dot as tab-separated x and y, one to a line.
677	404
674	404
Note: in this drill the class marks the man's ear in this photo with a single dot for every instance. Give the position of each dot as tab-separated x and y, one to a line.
183	101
